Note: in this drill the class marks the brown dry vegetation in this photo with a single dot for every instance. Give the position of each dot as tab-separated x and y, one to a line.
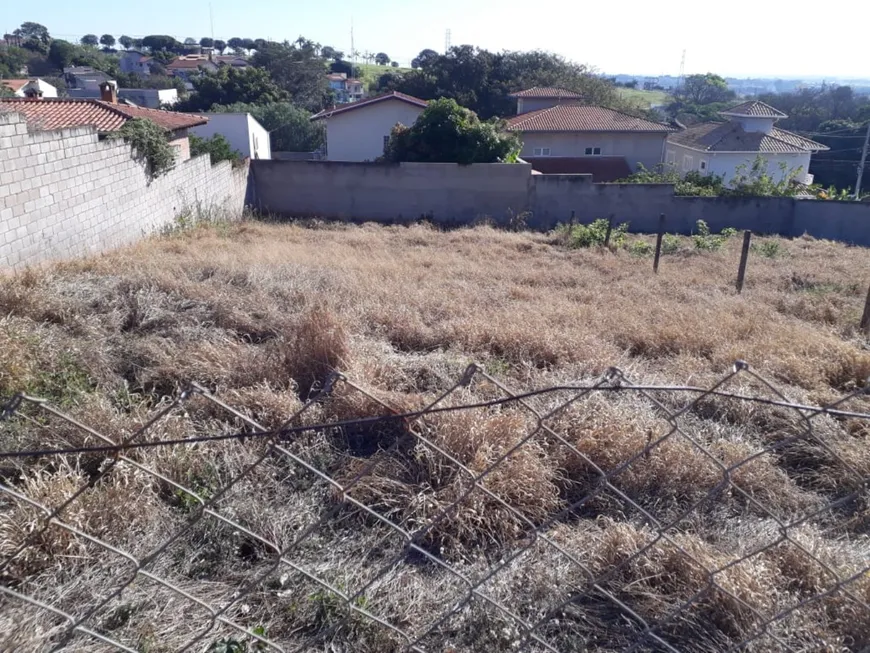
260	314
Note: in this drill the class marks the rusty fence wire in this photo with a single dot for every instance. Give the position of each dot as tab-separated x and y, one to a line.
667	543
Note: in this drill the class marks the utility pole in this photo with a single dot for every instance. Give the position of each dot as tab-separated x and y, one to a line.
861	167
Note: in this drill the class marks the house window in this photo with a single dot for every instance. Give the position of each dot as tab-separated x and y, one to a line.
542	151
688	162
671	157
593	151
703	165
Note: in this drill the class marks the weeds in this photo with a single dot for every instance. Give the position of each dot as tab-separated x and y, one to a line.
709	242
576	236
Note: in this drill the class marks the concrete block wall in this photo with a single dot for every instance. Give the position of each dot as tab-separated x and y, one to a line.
66	193
451	194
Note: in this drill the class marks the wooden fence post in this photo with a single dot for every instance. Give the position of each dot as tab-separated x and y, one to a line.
744	256
865	318
659	237
609	230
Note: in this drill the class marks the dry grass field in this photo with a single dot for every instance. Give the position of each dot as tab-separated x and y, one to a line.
259	313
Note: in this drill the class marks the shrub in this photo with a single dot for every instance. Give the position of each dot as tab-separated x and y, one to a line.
577	236
149	141
768	249
217	147
640	248
707	241
670	244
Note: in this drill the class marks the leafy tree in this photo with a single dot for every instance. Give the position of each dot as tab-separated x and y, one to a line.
220	46
341	67
126	42
12	60
236	43
756	180
107	40
394	64
230	85
217	147
30	30
328	52
62	54
90	40
158	42
705	89
448	133
694	184
190	41
424	59
206	42
249	44
382	58
138	43
5	91
297	69
290	127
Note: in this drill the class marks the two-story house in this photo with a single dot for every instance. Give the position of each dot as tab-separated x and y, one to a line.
135	62
346	89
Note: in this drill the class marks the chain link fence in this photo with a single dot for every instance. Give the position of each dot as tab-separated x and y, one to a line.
604	516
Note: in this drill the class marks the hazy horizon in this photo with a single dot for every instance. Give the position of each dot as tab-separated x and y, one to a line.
593	35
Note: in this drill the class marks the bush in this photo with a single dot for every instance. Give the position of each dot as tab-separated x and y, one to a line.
670	244
150	143
217	147
768	249
448	133
640	248
705	240
577	236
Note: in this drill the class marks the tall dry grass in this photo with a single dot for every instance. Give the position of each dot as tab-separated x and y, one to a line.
263	314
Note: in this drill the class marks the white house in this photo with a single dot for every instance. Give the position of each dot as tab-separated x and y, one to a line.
720	148
359	131
151	98
562	135
30	87
245	135
133	61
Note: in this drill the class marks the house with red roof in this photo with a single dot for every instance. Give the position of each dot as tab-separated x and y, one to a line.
106	115
562	135
29	87
747	132
359	131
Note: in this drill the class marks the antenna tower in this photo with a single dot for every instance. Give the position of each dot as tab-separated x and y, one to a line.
447	41
682	70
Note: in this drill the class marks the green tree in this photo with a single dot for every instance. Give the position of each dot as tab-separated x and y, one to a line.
298	69
206	42
382	58
289	126
157	42
424	59
12	60
394	64
126	42
90	40
5	91
248	44
705	89
328	52
230	85
235	43
107	40
448	133
220	46
34	37
217	147
62	54
190	41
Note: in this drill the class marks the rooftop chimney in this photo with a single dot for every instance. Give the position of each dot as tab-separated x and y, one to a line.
109	92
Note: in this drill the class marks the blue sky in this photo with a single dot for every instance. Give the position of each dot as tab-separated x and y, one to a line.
630	36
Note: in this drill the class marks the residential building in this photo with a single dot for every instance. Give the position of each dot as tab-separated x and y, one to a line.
575	137
244	133
346	89
188	66
541	97
133	61
30	87
151	98
105	114
749	131
359	131
84	77
233	60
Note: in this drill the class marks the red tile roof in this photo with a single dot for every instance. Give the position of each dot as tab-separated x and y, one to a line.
14	84
603	169
191	62
754	109
547	92
582	118
731	137
395	95
61	113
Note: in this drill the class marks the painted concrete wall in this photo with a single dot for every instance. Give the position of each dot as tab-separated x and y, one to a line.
243	132
358	135
725	164
67	193
451	194
647	149
442	192
525	105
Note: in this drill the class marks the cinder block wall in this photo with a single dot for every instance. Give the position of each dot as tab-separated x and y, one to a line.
66	193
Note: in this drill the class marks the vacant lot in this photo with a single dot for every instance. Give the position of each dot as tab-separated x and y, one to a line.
261	313
645	99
